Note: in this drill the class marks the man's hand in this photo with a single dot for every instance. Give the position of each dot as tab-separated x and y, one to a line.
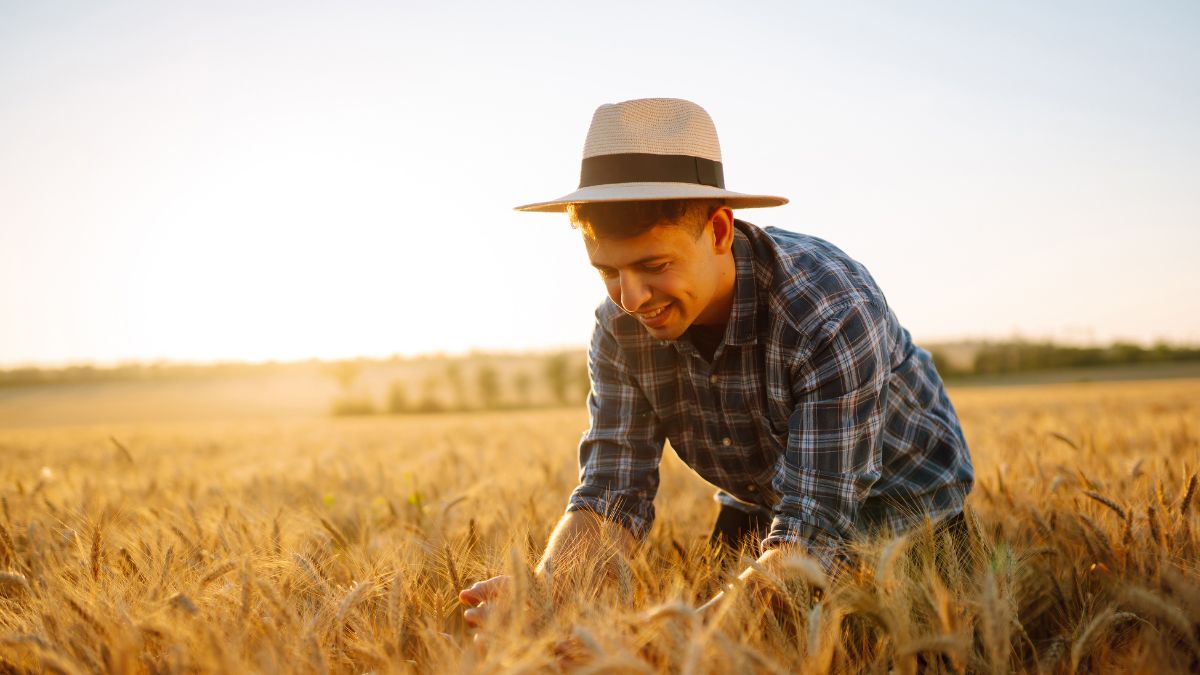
709	608
765	579
482	597
579	540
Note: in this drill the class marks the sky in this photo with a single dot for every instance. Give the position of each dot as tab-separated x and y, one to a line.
254	181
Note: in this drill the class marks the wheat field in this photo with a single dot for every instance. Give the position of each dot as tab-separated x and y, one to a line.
319	545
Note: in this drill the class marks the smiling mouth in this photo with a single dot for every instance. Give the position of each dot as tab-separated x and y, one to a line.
654	313
655	318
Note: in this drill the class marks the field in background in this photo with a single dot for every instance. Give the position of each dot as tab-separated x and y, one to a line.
296	542
287	390
308	389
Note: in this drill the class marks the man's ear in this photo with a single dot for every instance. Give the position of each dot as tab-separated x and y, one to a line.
721	222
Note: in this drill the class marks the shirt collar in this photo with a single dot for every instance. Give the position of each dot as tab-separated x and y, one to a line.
740	330
742	316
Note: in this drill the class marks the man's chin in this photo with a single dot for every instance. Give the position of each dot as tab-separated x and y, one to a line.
671	331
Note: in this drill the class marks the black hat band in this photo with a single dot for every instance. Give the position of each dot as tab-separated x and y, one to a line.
641	167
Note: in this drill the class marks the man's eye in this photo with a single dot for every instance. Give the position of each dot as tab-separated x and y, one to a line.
655	269
605	274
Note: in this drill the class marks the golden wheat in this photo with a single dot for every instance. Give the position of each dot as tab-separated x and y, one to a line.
338	546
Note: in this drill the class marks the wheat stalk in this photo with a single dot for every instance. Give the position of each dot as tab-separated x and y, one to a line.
352	598
311	573
452	571
395	598
131	567
122	451
217	572
1174	617
86	616
166	570
97	550
8	551
335	533
1152	520
1186	503
276	535
1090	633
247	588
1072	444
14	581
183	603
1107	502
268	591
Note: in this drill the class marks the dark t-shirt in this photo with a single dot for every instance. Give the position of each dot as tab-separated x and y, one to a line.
706	339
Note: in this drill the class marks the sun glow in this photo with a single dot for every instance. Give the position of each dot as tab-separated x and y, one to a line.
296	182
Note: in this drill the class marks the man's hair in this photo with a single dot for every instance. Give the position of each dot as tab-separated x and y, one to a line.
622	220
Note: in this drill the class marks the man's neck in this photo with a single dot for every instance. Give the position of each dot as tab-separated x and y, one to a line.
716	315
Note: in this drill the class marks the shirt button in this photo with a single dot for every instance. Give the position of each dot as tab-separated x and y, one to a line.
751	488
726	441
712	379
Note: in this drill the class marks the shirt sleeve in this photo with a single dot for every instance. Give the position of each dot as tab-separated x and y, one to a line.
835	431
620	452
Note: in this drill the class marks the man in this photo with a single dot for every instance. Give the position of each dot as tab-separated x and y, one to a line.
769	359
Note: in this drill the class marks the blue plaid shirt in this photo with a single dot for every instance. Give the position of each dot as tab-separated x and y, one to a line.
816	405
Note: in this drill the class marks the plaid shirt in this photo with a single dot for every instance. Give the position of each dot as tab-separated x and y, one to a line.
816	406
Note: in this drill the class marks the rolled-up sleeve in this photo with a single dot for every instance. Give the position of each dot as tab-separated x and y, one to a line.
620	452
835	430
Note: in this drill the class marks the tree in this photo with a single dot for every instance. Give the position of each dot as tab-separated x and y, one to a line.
398	398
489	386
558	376
346	373
458	389
429	399
349	402
523	385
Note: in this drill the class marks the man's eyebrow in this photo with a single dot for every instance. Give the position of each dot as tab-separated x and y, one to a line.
639	261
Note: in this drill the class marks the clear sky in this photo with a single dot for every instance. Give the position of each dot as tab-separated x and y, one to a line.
200	181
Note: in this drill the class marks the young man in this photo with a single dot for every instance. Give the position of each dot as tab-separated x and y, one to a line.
769	359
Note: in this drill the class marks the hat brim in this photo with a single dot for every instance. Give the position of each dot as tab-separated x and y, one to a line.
639	192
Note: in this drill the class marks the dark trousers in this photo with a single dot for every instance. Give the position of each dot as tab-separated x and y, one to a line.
733	525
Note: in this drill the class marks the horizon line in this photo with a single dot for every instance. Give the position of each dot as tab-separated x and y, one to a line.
474	352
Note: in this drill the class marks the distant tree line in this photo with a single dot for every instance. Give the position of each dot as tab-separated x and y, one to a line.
560	378
998	358
134	372
555	380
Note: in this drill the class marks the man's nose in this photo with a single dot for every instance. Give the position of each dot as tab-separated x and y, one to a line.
634	293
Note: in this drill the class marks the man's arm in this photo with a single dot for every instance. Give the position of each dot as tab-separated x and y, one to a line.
835	431
772	561
612	508
580	539
620	452
834	438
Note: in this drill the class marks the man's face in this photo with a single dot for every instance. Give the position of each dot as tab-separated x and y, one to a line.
665	277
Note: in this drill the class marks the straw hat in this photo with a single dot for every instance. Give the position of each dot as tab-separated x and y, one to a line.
651	149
